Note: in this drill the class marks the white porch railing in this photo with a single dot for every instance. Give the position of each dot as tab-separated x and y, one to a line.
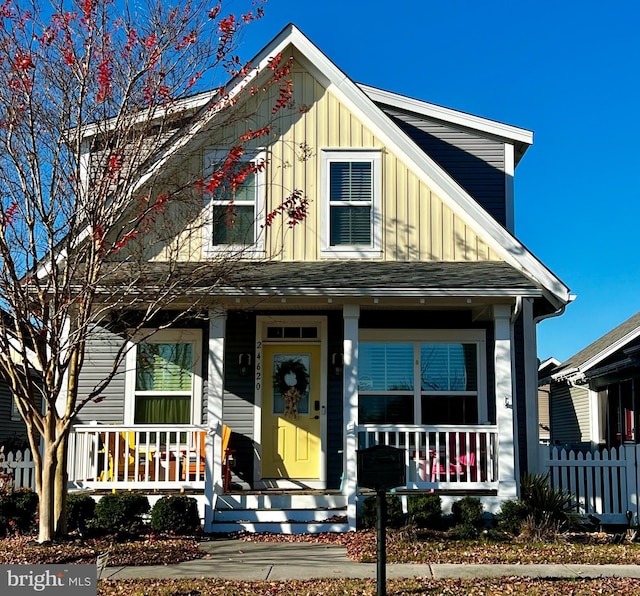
441	457
139	456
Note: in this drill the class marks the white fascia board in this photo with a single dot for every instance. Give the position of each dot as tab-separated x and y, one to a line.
492	127
187	104
386	292
451	193
610	350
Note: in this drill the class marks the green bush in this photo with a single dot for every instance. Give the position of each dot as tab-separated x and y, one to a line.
543	510
121	512
425	510
468	512
368	512
512	515
18	511
81	509
177	514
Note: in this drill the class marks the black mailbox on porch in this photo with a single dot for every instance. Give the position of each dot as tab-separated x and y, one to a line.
381	467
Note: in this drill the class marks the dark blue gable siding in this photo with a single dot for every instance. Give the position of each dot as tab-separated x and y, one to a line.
476	162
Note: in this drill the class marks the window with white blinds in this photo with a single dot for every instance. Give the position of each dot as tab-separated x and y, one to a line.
421	382
352	181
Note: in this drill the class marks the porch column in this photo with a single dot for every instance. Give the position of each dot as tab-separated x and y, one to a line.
351	314
532	408
505	404
215	393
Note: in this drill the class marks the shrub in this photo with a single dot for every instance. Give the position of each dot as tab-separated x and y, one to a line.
425	511
177	514
121	512
468	512
368	512
543	511
18	511
512	515
81	509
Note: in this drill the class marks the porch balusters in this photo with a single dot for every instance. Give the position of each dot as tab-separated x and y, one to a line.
135	457
441	457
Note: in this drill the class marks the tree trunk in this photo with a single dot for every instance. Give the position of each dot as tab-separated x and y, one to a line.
60	494
46	523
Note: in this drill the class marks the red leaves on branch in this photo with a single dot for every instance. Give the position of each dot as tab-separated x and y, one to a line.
254	134
105	74
23	61
228	24
9	215
295	207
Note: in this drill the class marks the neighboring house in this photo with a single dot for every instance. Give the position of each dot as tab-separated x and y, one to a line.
402	311
544	392
595	394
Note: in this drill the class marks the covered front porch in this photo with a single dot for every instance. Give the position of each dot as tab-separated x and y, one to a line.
156	460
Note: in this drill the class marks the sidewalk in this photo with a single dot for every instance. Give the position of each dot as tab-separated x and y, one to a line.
249	561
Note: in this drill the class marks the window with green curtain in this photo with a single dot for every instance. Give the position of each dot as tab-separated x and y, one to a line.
163	383
351	201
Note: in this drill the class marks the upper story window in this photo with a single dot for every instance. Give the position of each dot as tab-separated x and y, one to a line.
351	191
163	378
234	208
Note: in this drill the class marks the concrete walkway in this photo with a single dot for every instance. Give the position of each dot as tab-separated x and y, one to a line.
234	559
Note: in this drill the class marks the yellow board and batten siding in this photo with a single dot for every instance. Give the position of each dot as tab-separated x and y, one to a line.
417	224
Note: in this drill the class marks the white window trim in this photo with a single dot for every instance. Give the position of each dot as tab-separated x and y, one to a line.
256	249
346	155
15	415
445	336
193	336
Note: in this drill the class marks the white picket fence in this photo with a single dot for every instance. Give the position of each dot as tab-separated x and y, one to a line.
604	483
17	468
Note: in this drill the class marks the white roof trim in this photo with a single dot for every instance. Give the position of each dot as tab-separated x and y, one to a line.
456	198
498	129
609	350
448	190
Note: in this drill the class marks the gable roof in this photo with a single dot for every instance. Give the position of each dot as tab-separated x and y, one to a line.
440	181
359	100
576	367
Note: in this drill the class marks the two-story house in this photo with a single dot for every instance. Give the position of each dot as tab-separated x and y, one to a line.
402	310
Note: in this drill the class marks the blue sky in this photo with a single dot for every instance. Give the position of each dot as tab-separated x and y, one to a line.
568	70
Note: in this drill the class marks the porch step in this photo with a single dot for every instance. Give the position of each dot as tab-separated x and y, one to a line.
281	513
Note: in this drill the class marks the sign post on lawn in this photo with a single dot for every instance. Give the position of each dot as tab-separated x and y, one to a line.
381	468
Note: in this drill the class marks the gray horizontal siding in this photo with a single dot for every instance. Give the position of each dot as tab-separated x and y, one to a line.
475	162
570	418
239	394
102	347
9	428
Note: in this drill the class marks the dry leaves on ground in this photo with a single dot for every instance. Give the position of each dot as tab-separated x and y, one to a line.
406	587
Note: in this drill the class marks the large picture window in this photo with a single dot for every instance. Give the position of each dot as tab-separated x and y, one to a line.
423	381
352	186
163	376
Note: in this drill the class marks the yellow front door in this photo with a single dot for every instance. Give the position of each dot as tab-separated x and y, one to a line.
291	412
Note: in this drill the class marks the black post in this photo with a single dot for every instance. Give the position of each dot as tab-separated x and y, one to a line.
381	527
